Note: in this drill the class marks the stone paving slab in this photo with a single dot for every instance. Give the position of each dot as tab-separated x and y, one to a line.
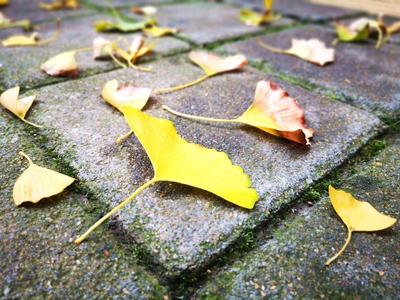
182	227
19	70
205	23
291	265
300	9
355	76
26	9
38	257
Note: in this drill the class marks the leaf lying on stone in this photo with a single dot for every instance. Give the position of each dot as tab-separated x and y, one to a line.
6	23
31	40
155	31
60	4
19	107
211	65
356	215
125	95
144	10
312	50
176	160
36	183
272	111
345	34
252	18
61	65
102	48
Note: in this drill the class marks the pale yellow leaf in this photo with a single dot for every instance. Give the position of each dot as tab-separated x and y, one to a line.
61	65
155	31
60	4
36	183
20	40
102	48
312	50
125	95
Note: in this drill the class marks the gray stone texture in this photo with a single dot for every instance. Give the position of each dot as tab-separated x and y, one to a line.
362	75
22	64
38	257
205	23
299	9
291	264
182	227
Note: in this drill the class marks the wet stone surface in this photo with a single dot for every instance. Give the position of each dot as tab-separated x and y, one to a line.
299	9
38	257
354	76
292	263
182	227
23	64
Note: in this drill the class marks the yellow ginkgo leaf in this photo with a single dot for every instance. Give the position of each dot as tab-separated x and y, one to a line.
125	95
4	2
176	160
272	111
61	65
155	31
252	18
347	35
19	107
37	183
211	65
8	23
312	50
356	215
60	4
102	48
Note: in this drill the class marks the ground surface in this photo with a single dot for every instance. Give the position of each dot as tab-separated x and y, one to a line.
175	241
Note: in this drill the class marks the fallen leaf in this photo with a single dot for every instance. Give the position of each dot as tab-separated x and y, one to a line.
252	18
19	107
272	111
393	28
144	10
211	65
356	215
312	50
36	183
6	23
155	31
60	4
4	2
176	160
61	65
125	95
345	34
102	48
31	40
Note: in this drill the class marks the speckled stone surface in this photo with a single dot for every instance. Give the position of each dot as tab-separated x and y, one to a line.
27	9
205	23
182	227
38	257
354	76
23	64
292	264
299	9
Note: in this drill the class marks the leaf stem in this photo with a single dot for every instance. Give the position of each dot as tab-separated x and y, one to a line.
25	156
32	124
174	112
55	35
116	60
123	137
114	210
270	48
182	86
329	261
138	68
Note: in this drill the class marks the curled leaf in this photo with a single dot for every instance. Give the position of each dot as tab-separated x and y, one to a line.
356	215
6	23
122	25
125	95
251	18
312	50
144	10
61	65
19	107
36	183
101	48
272	111
177	160
345	34
155	31
60	4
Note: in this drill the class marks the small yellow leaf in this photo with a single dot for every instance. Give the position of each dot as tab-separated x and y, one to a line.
37	183
213	64
4	2
347	35
144	10
61	65
60	4
125	95
102	48
251	18
357	215
155	31
176	160
19	107
312	50
20	40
